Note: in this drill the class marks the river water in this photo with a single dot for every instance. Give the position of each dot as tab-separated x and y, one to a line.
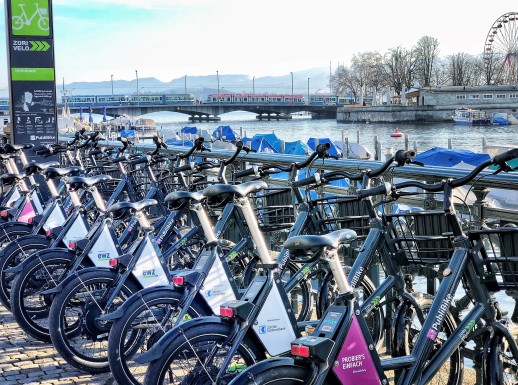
423	135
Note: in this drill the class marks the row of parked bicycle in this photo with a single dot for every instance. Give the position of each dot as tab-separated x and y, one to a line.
156	269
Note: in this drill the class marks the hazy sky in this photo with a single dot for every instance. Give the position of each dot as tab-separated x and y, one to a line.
168	39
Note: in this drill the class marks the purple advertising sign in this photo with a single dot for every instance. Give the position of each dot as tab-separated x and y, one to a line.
355	364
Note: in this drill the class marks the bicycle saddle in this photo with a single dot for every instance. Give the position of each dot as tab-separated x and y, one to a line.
55	172
10	178
240	190
36	167
77	182
137	206
180	198
307	243
10	148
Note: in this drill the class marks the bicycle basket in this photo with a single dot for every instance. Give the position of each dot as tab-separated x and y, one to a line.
420	237
274	208
498	250
343	213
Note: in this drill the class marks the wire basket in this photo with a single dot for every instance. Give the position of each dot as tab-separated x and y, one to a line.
498	252
274	208
343	212
421	237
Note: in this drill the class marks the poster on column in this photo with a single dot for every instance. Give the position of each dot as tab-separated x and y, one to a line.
31	71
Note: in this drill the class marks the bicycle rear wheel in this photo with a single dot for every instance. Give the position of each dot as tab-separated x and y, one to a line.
195	354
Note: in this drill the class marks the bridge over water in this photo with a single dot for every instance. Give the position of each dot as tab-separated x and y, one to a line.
213	111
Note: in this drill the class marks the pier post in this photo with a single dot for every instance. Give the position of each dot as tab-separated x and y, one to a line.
484	144
358	137
415	146
388	152
407	143
377	148
283	147
449	144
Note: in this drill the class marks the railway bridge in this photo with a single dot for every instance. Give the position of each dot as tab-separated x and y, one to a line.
208	112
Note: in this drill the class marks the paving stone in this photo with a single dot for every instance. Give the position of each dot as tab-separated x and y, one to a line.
24	360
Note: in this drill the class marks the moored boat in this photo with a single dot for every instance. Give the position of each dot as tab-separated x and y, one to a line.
503	119
470	116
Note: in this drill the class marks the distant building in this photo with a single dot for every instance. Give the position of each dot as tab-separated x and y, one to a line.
468	96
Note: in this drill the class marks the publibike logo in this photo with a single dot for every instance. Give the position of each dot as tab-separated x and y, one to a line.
30	17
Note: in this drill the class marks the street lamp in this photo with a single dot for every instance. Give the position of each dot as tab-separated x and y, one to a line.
253	85
291	86
308	90
138	98
217	77
112	84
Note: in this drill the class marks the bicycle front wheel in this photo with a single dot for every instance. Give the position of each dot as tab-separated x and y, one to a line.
501	365
452	371
76	331
195	355
150	315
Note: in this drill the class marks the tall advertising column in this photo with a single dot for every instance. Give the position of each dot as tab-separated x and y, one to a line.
32	85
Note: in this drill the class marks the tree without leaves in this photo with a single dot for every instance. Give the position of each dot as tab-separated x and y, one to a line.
400	66
426	53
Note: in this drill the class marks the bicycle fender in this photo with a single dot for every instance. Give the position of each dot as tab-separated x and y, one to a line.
249	373
140	297
59	287
5	226
158	348
399	321
39	254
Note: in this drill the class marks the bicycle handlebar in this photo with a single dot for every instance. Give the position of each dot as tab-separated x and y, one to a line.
386	188
401	157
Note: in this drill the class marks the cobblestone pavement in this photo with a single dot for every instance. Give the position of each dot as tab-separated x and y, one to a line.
24	360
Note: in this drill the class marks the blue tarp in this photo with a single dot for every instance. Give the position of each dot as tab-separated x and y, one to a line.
189	130
173	142
127	133
224	133
259	144
334	150
272	140
445	157
295	148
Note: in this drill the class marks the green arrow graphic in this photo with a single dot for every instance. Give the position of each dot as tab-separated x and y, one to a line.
39	45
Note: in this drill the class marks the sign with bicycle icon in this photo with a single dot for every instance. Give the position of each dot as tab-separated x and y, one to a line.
30	18
31	71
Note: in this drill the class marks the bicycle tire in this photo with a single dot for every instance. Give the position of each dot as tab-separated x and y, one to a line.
197	340
125	370
275	375
501	366
13	254
82	328
39	274
409	333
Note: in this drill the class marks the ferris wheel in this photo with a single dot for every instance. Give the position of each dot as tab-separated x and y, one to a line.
501	50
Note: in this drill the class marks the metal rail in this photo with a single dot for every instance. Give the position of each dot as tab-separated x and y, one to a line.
480	209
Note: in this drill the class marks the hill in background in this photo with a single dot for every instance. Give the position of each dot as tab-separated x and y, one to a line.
202	86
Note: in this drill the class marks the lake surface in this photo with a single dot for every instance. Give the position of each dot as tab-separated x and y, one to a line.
424	135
